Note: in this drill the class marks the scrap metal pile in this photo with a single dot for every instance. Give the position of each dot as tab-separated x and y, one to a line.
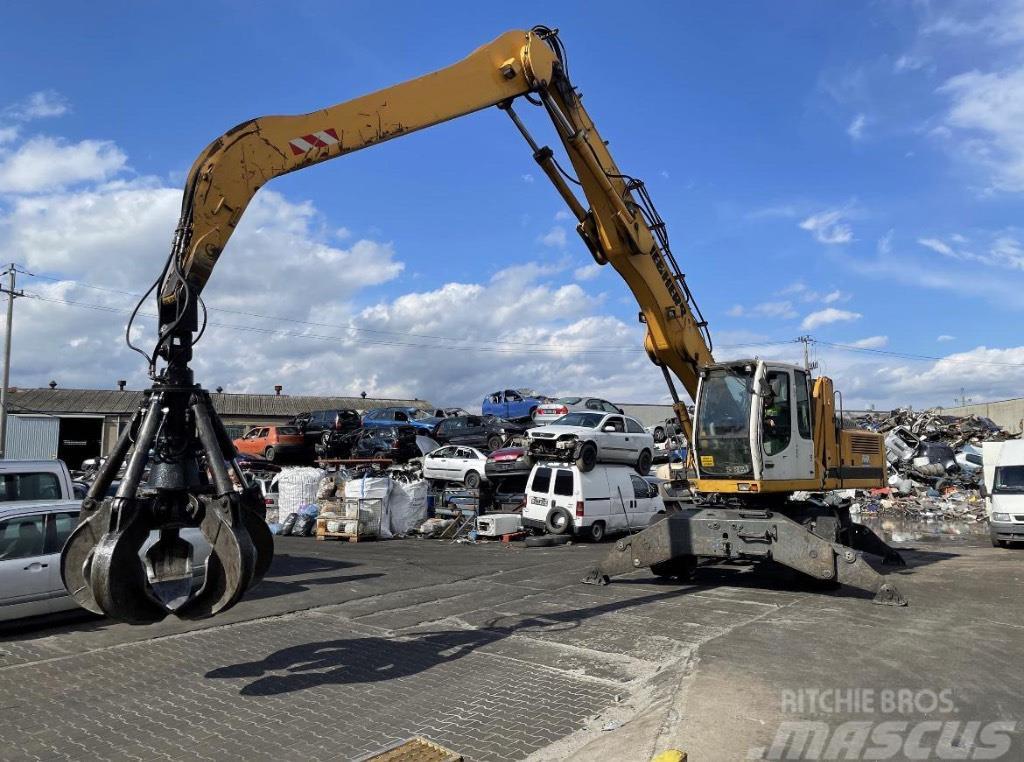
935	464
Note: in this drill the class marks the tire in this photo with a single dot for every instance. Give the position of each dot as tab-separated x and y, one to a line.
593	533
539	541
270	454
680	567
494	443
472	480
659	435
587	458
558	522
533	414
643	463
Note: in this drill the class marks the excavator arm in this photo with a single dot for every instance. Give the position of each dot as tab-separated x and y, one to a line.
177	455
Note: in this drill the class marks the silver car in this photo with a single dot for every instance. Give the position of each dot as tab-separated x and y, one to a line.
550	412
31	538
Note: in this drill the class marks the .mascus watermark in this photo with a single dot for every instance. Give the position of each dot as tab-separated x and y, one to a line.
898	723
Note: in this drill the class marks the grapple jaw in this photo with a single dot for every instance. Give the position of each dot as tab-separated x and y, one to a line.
131	556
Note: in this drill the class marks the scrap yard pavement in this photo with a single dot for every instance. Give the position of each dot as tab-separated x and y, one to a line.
499	653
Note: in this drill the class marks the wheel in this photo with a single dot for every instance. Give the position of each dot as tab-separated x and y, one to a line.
659	435
494	442
594	532
1000	543
472	480
587	458
680	567
643	463
270	454
559	521
533	414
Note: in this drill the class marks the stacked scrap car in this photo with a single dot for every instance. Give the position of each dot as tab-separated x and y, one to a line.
549	412
589	438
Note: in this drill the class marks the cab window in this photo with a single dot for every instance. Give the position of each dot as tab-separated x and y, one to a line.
541	480
21	537
640	486
803	406
563	482
615	422
777	413
633	427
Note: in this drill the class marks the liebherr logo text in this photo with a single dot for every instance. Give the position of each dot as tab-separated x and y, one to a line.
894	728
667	277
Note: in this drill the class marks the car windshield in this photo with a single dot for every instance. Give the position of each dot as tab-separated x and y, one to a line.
527	393
569	400
418	415
584	420
287	430
723	424
1009	479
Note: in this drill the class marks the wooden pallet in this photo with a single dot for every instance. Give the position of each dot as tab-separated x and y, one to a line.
343	536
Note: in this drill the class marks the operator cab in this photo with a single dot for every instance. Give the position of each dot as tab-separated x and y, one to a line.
754	423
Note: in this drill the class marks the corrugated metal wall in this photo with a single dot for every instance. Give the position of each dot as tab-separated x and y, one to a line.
31	437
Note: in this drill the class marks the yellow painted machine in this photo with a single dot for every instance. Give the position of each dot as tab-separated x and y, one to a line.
761	432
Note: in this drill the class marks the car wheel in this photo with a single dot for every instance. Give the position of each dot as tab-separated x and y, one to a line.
494	443
659	435
472	480
595	532
533	414
270	454
643	463
587	458
558	521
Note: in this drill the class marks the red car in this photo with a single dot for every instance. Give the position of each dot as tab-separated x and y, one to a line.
272	442
508	461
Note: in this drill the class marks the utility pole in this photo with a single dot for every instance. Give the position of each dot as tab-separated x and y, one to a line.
964	399
11	296
807	341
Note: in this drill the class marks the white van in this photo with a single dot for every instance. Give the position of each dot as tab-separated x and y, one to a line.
1004	490
561	499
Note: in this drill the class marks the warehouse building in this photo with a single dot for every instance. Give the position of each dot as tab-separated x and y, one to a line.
75	424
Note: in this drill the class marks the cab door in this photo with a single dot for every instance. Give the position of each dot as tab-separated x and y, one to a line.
780	444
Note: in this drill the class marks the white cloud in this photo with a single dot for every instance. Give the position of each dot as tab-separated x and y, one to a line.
587	272
856	128
871	342
342	234
44	163
986	120
554	237
562	216
884	245
832	296
38	105
945	337
527	178
829	227
936	245
826	316
908	62
8	134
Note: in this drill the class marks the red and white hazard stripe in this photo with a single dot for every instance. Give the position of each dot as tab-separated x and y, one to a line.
307	143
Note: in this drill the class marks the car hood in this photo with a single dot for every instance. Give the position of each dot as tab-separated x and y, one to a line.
507	453
553	432
426	444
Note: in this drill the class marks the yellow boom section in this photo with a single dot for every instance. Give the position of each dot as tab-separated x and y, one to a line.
620	227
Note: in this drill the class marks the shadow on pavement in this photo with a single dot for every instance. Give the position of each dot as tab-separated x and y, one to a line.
288	565
270	588
375	659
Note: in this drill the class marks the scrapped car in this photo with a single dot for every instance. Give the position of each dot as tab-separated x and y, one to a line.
486	431
552	411
662	430
272	442
400	416
508	461
455	463
513	404
321	427
589	438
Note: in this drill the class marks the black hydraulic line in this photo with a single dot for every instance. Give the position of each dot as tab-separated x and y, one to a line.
104	477
133	474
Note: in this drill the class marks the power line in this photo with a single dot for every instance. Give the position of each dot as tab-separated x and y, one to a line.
909	356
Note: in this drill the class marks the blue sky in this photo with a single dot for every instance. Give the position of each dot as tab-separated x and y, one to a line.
849	171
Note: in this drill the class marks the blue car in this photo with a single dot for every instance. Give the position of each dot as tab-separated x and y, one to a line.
400	416
513	404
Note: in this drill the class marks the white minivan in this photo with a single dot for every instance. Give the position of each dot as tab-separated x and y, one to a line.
1003	473
561	499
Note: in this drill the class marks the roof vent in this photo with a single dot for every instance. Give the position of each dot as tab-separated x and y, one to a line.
53	384
121	384
277	389
220	389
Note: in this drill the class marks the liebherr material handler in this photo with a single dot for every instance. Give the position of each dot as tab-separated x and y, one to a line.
761	430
